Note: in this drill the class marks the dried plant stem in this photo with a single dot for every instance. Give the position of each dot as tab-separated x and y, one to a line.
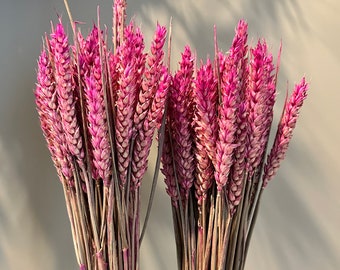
199	245
137	232
79	234
253	200
126	259
72	221
134	241
103	226
182	215
223	250
252	223
233	237
214	248
177	232
124	232
222	229
111	242
156	173
192	234
201	236
242	227
204	232
81	213
93	216
210	233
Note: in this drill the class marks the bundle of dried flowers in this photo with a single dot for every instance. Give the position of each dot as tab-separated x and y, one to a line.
214	160
99	110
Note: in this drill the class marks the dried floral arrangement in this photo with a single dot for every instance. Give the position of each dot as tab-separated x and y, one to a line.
214	159
99	109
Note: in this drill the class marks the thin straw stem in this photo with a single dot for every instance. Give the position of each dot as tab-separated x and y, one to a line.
156	174
71	218
210	233
242	228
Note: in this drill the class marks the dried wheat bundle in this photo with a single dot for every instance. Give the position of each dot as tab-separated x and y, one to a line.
99	109
214	160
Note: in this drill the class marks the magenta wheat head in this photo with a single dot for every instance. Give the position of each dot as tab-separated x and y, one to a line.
89	50
46	102
285	131
232	75
119	17
237	64
235	186
181	118
152	122
238	53
227	125
98	130
260	100
168	168
152	75
205	126
156	111
65	90
130	54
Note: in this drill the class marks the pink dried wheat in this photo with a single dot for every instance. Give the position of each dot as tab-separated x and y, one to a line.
128	68
46	102
205	126
168	168
98	128
65	89
151	78
285	131
238	59
180	115
144	137
225	144
119	17
260	100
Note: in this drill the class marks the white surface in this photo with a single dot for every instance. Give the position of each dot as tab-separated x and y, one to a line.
298	225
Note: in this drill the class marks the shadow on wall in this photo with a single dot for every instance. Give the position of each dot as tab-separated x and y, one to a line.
193	21
289	232
33	218
34	228
22	232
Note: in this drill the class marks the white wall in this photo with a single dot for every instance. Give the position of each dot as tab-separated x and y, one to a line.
298	223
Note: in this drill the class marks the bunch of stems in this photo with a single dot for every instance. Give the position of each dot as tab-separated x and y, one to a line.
215	159
99	109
